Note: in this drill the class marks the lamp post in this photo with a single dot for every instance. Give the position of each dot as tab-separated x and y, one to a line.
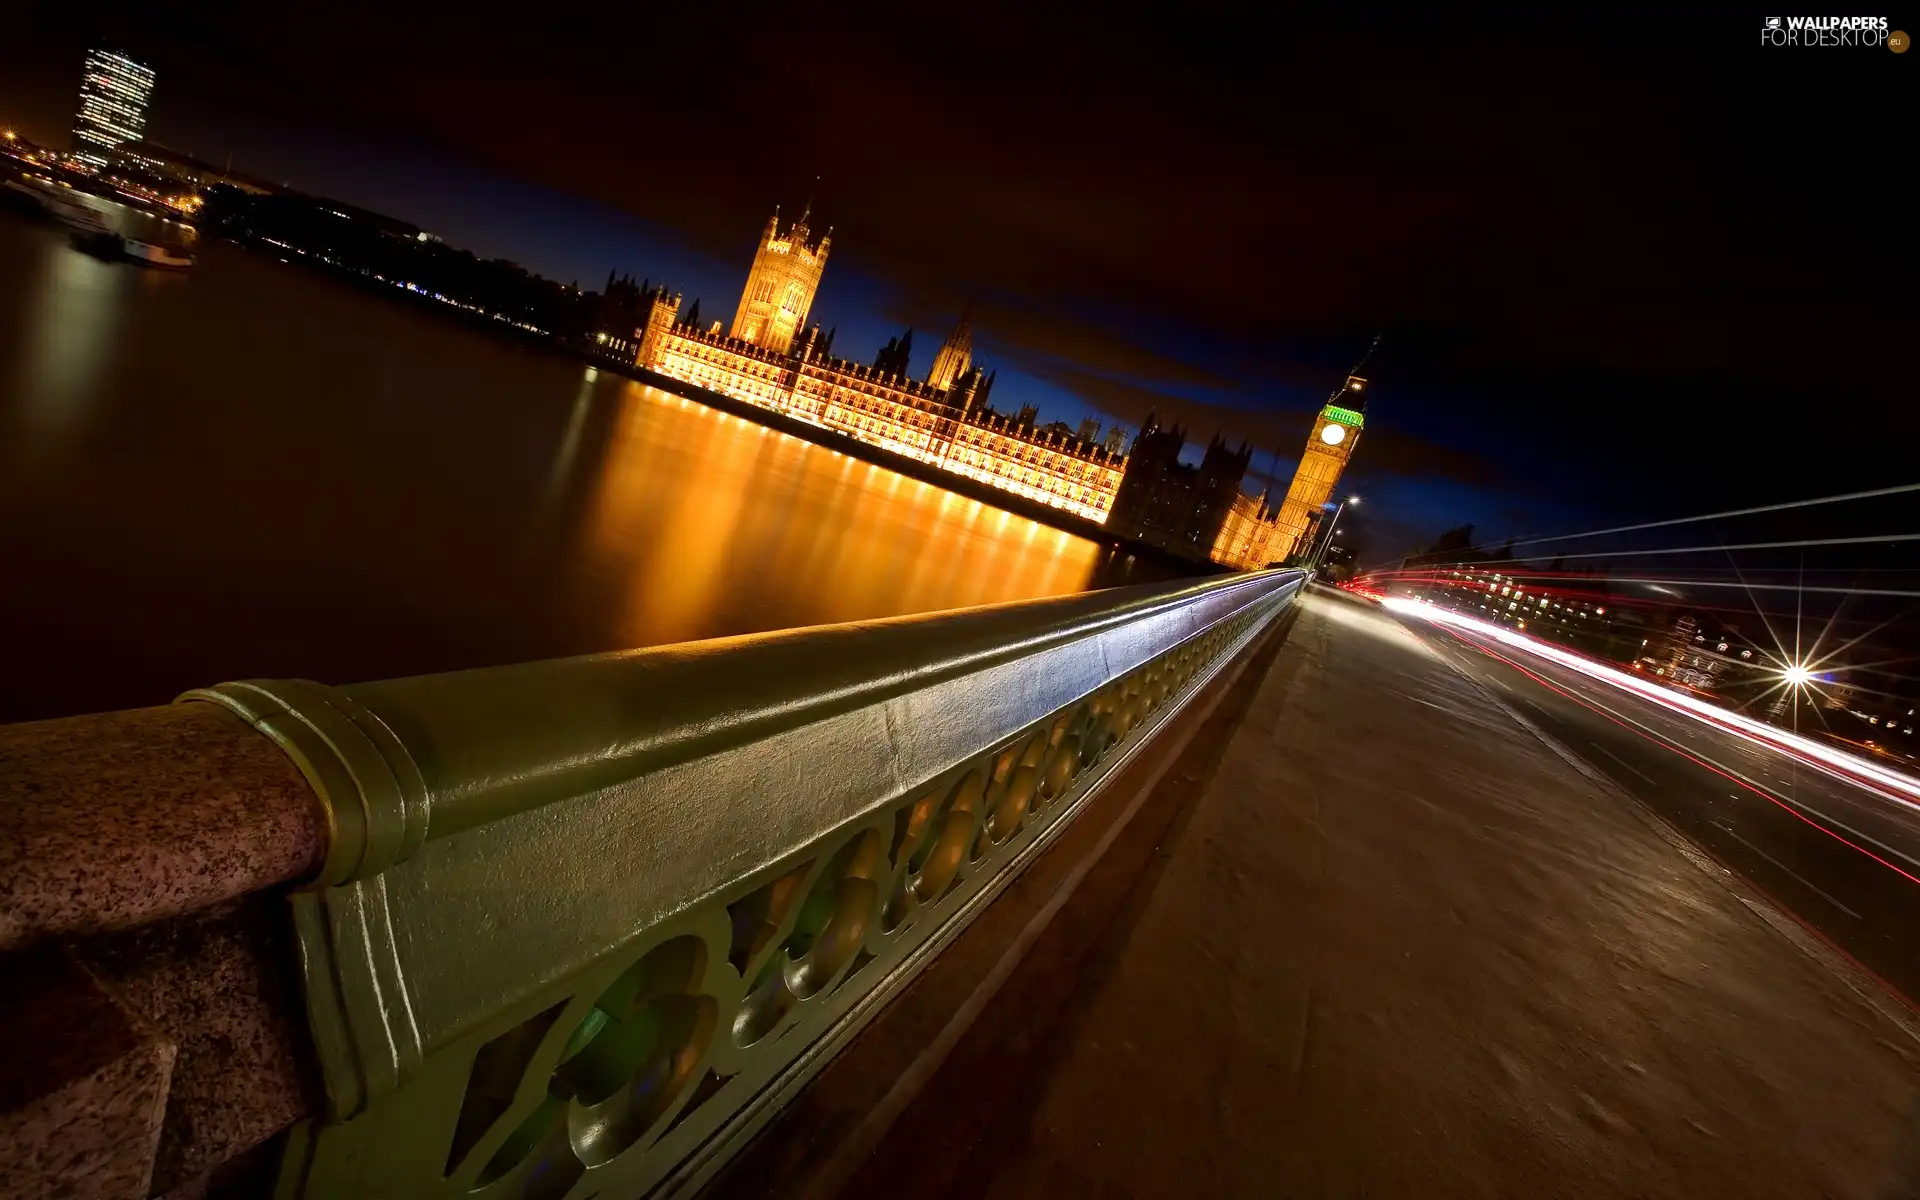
1313	564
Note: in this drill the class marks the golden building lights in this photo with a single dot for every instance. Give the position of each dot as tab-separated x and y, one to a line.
766	359
955	356
945	427
780	286
1336	431
770	357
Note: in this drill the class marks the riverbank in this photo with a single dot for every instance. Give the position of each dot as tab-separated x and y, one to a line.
913	468
251	471
475	320
566	337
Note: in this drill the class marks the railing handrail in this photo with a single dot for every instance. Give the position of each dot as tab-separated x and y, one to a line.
153	783
527	732
528	867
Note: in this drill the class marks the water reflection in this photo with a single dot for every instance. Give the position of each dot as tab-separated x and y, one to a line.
569	450
74	307
247	471
839	539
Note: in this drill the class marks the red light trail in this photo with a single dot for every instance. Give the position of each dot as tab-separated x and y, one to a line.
1890	785
1729	776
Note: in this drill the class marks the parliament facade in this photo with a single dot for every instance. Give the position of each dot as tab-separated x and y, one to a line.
772	357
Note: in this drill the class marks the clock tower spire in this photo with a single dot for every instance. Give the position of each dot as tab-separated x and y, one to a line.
1336	431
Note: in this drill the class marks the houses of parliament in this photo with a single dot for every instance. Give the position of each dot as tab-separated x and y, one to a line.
772	357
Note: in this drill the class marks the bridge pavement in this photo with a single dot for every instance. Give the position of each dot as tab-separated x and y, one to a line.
1396	944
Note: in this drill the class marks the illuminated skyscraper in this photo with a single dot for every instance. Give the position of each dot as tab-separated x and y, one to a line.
113	105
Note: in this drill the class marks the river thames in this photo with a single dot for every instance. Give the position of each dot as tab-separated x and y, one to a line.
249	470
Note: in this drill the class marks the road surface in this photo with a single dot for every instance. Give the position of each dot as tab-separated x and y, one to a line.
1835	855
1399	944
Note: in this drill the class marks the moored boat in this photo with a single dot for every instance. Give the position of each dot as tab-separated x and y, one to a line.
88	230
22	198
156	254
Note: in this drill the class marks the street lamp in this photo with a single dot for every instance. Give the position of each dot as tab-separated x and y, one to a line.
1313	564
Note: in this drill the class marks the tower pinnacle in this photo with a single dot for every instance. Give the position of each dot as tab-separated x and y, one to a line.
781	285
956	355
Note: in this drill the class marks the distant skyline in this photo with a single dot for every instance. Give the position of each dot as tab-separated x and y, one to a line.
1592	258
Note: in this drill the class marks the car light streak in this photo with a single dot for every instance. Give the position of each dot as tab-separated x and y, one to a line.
1791	810
1891	785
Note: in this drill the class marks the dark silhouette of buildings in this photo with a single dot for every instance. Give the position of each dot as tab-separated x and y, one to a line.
620	315
1164	502
895	356
381	251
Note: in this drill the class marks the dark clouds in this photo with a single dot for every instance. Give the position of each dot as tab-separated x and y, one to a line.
1591	242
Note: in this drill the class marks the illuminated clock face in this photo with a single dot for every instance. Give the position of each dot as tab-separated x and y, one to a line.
1333	434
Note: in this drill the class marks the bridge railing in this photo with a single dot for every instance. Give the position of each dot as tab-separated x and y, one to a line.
582	926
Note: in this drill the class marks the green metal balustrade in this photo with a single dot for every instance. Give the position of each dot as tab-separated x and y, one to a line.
584	925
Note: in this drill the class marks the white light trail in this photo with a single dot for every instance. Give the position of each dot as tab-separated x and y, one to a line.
1732	512
1718	548
1844	497
1893	785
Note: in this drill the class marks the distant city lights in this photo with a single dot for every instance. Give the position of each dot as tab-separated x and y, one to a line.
409	286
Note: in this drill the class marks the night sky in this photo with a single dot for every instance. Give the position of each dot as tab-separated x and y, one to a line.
1623	267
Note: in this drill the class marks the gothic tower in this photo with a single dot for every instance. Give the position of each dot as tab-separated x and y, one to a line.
663	309
954	357
780	287
1335	433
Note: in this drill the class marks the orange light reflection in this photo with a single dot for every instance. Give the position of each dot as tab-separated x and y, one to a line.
703	517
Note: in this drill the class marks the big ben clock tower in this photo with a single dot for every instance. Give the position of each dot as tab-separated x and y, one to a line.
1335	433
